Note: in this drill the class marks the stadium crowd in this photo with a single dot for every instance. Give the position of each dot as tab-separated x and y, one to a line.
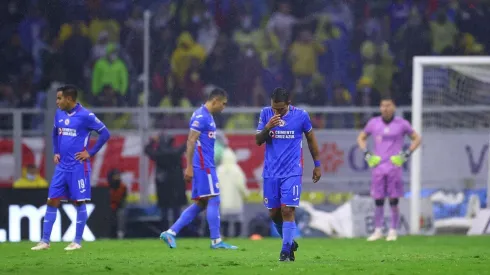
328	52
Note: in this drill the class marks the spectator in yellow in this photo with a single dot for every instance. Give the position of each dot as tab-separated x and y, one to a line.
30	179
102	22
378	62
67	29
181	58
266	43
110	70
325	30
244	35
304	53
443	33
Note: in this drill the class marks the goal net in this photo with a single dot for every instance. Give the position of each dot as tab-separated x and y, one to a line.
451	110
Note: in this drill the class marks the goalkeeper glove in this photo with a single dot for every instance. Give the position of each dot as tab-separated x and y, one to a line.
371	159
400	159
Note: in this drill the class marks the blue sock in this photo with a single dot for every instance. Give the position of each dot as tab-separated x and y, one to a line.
288	229
278	227
81	222
212	213
186	218
49	219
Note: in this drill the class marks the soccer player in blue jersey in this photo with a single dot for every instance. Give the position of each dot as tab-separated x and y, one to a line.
71	180
201	170
281	128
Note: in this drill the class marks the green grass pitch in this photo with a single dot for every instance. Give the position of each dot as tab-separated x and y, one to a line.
409	255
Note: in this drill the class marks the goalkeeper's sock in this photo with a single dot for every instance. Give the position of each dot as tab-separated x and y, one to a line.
212	215
278	226
81	222
395	217
379	216
49	219
186	218
288	230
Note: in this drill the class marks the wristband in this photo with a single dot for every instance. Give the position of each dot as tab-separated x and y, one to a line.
317	163
407	153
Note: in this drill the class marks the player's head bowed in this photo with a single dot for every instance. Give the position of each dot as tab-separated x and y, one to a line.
217	100
66	97
280	100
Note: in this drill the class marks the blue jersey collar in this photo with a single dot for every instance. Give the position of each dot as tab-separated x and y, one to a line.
74	110
291	107
205	109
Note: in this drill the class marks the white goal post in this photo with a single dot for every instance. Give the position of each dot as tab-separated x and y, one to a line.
474	68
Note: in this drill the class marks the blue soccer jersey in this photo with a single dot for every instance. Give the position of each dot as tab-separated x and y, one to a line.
283	165
74	134
283	153
203	122
205	182
71	134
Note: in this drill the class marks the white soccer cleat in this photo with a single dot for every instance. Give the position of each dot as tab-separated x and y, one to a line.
392	235
73	246
41	246
378	234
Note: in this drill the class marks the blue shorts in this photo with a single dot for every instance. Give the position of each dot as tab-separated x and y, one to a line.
204	183
282	191
70	185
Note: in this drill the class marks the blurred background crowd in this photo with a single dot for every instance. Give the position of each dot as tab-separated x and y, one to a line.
327	52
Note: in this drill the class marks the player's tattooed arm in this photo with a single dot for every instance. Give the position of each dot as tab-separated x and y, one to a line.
313	145
191	144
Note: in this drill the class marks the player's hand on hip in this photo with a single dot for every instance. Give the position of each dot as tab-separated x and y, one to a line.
273	122
317	174
56	158
84	155
188	174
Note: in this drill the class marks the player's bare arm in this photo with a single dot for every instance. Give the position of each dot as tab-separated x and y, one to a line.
416	140
262	136
315	154
191	145
361	141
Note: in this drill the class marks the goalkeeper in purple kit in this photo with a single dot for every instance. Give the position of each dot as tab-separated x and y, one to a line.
281	128
386	161
73	125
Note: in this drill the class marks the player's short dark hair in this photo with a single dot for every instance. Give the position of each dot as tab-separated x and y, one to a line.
217	93
69	91
280	95
386	98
